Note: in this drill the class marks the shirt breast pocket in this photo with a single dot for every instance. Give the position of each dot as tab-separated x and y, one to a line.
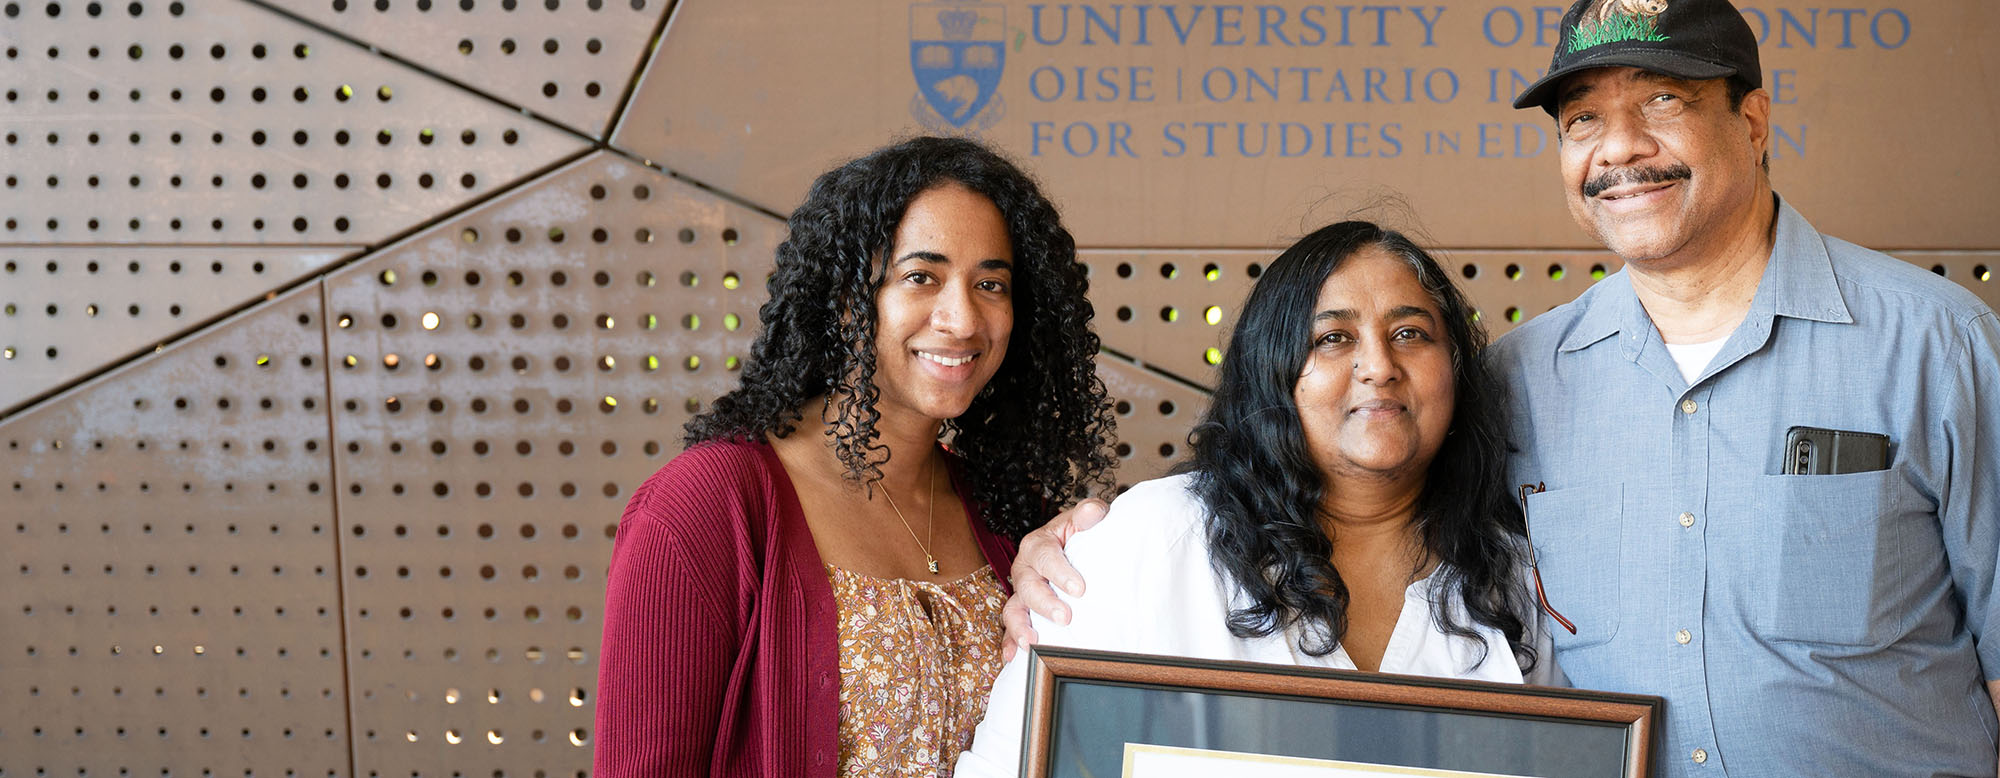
1825	533
1578	540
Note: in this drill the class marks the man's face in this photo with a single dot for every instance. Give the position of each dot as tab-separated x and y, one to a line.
1655	167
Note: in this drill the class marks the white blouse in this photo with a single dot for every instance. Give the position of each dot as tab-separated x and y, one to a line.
1151	589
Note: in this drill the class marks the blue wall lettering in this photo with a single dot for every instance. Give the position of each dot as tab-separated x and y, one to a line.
1316	26
1243	139
1429	22
1108	27
1548	25
1431	89
1270	24
1254	80
1521	134
1108	84
1846	16
1285	136
1237	24
1229	25
1789	22
1490	139
1035	24
1888	28
1082	139
1381	21
1046	89
1784	90
1516	82
1441	142
1088	136
1172	134
1511	27
1306	84
1209	80
1781	137
1902	27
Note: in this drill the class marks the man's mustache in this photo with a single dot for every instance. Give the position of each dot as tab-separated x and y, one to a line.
1636	175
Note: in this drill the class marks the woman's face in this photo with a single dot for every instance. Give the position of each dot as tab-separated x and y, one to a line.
946	307
1376	394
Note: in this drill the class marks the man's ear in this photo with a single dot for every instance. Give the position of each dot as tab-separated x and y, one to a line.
1756	112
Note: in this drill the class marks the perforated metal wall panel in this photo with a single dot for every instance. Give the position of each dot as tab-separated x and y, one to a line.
567	60
1155	413
68	311
502	381
1976	271
218	121
172	597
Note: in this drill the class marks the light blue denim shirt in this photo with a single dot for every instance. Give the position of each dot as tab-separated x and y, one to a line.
1796	624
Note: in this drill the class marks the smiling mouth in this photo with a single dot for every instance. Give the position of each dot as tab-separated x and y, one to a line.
947	361
1636	193
1624	178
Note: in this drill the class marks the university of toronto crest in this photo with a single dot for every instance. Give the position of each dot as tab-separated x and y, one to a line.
957	49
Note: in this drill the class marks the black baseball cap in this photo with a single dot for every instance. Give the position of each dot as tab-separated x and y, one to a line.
1691	39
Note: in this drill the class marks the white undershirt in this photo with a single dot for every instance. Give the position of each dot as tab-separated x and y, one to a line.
1694	357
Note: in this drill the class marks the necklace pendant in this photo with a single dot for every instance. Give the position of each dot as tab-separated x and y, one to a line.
932	561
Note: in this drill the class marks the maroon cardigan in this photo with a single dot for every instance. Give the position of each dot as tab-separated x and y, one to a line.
720	654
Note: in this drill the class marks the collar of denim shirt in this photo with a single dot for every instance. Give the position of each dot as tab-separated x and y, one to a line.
1798	282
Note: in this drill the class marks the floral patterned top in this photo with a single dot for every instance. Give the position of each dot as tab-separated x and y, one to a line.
916	662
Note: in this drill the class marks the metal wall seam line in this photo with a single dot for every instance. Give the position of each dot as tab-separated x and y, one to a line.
94	343
639	69
574	77
362	254
112	369
440	217
1154	369
344	37
333	479
733	198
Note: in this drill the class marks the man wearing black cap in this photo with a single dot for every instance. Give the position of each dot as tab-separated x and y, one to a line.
1771	457
1817	611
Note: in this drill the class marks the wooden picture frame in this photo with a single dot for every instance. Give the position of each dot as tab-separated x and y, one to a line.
1569	732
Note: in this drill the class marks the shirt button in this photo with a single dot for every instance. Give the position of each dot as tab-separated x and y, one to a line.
1682	637
1700	756
1688	406
1687	519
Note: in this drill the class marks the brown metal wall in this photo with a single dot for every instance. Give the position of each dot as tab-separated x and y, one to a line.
336	333
172	596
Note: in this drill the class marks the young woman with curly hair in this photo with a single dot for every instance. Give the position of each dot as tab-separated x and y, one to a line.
813	588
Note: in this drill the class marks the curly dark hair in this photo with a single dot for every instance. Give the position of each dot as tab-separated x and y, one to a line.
1036	437
1258	481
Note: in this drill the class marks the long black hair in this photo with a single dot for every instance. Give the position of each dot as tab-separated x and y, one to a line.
1038	434
1254	474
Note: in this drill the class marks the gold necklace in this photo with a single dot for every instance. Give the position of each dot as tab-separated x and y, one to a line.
931	523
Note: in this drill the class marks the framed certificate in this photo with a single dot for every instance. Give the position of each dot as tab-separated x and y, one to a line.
1098	714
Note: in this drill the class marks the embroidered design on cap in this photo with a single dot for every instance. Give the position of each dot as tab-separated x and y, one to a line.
1612	21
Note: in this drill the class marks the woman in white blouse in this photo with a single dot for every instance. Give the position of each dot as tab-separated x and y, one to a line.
1344	503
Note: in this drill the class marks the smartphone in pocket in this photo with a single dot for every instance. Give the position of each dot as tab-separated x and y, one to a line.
1820	451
